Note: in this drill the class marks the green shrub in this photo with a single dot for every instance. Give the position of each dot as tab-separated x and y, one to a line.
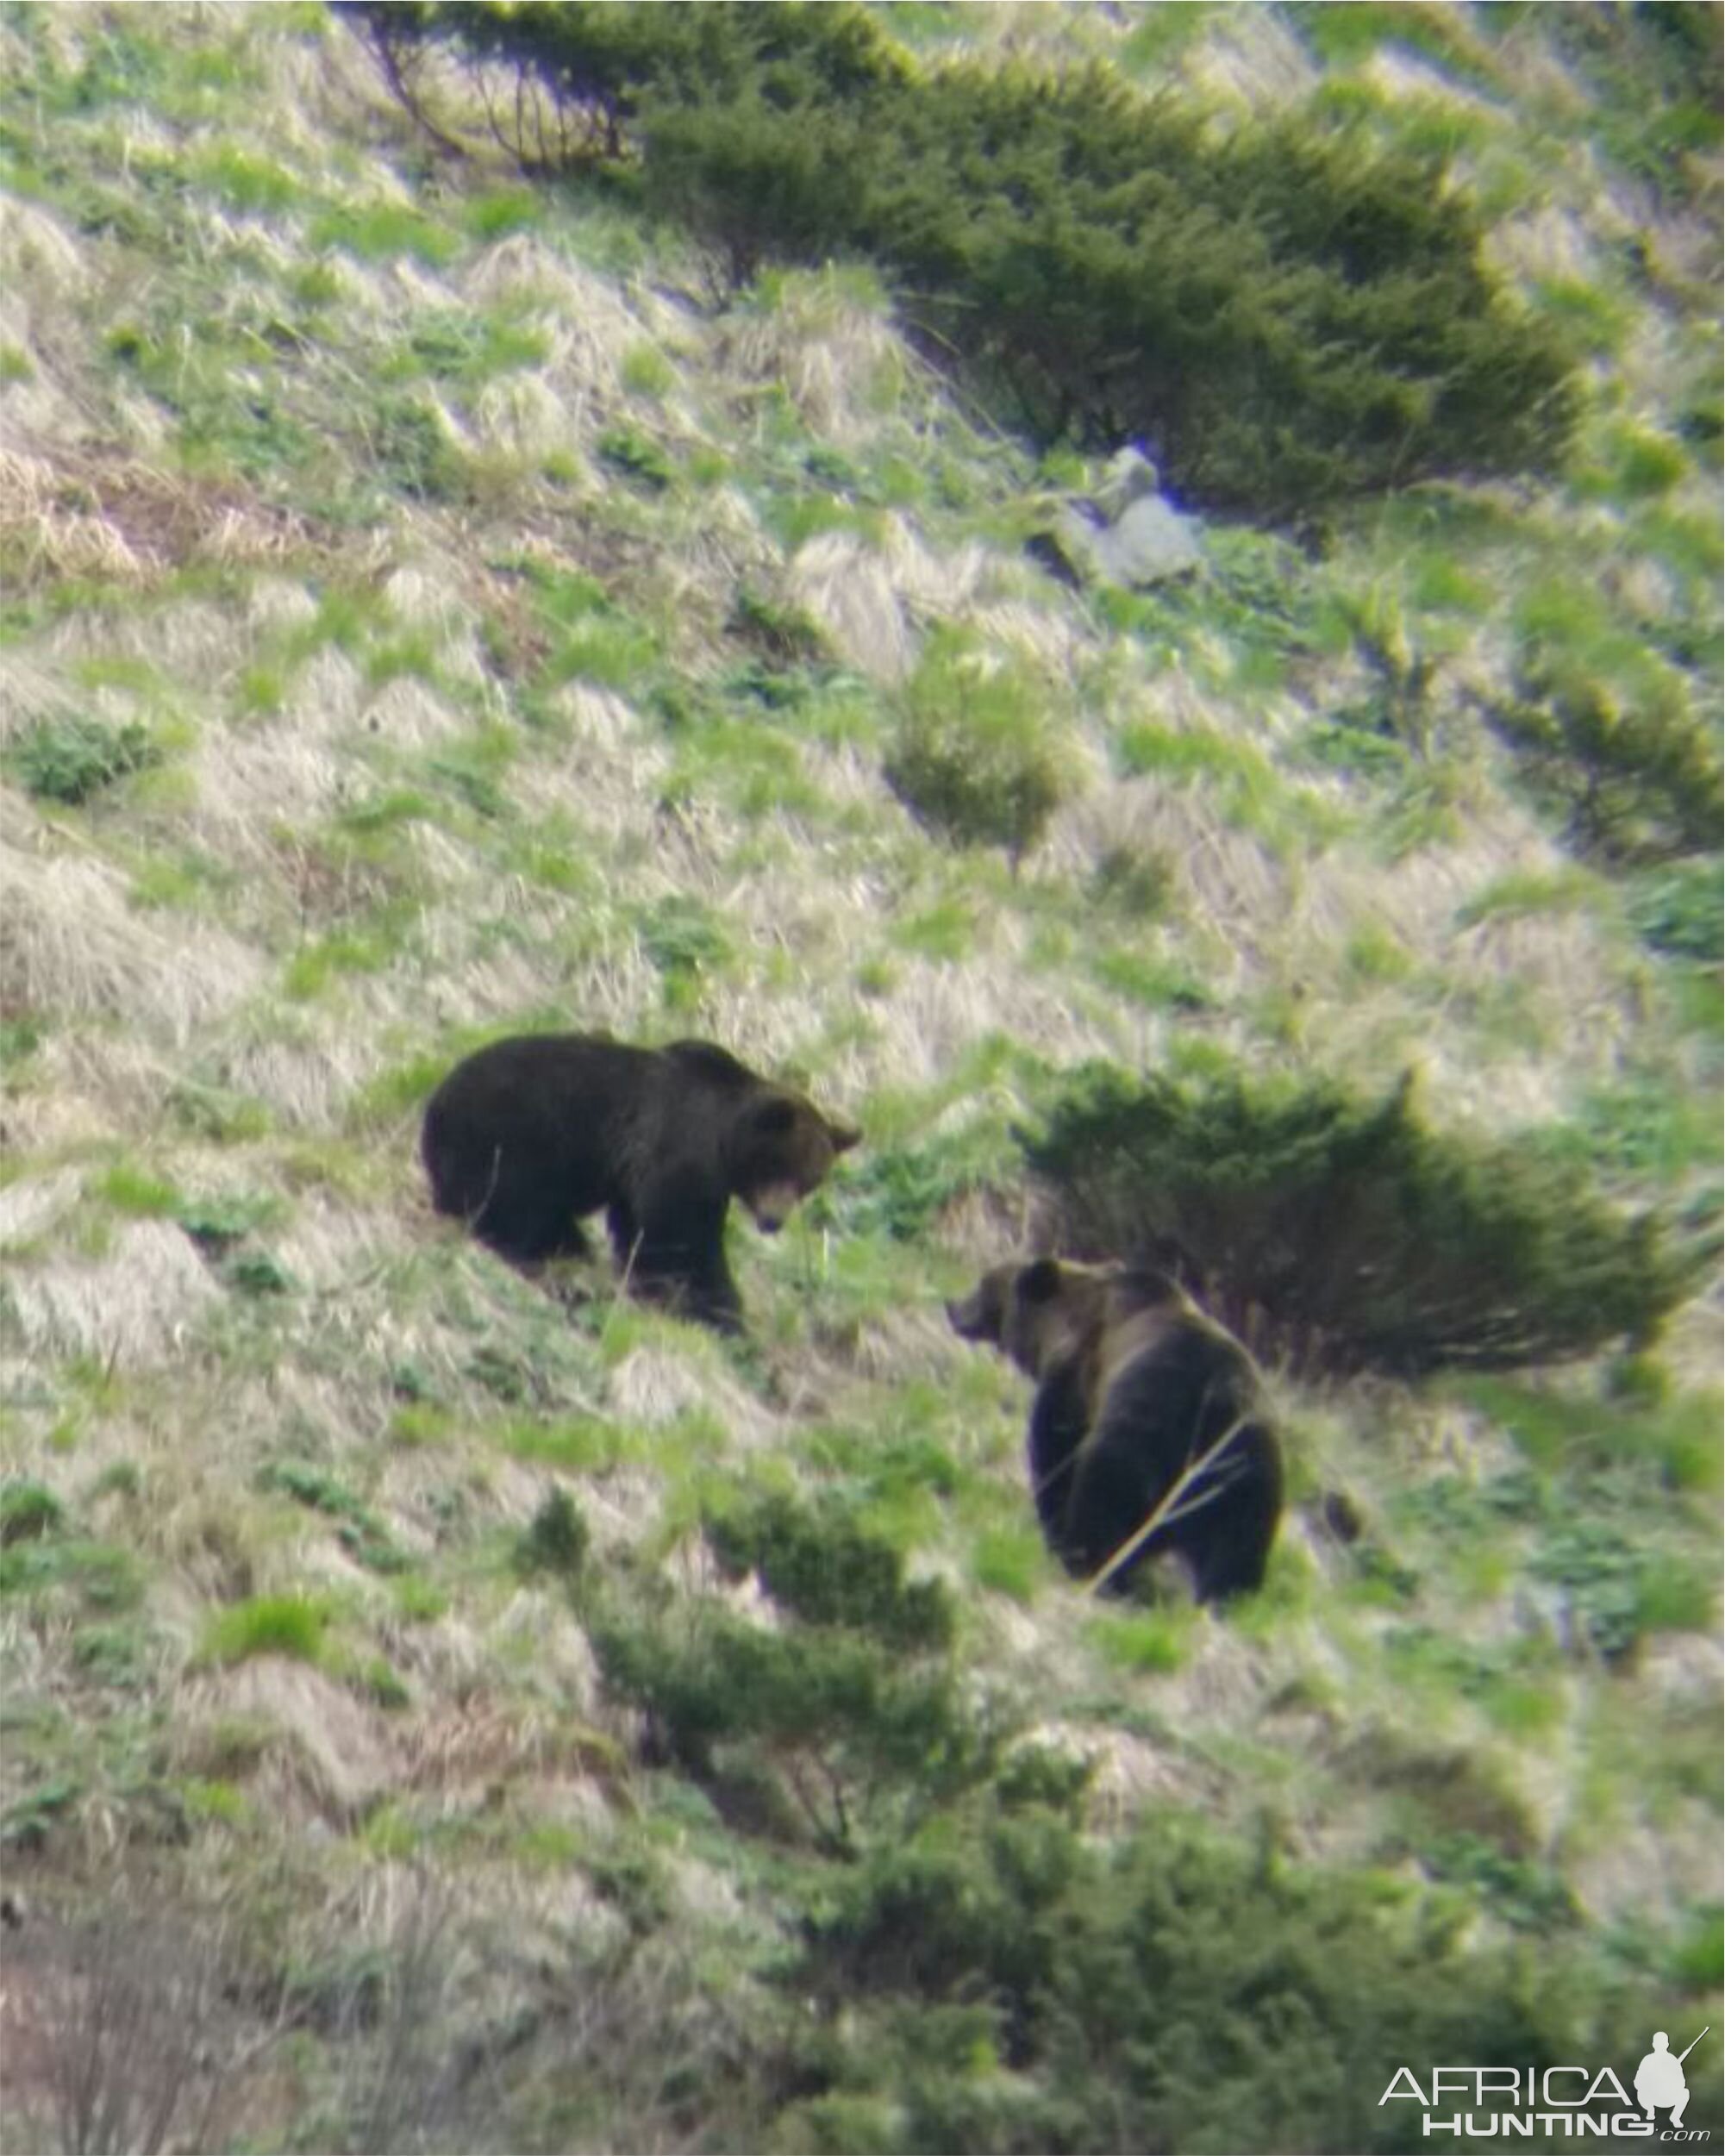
1627	761
858	1737
28	1510
1289	315
638	457
820	1563
1173	1992
784	633
976	756
414	452
1140	883
556	1539
68	759
1345	1229
1680	909
901	1190
843	1721
685	942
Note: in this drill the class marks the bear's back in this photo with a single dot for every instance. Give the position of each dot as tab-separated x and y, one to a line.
1176	1393
1170	1368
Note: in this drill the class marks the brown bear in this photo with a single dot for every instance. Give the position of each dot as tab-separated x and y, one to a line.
525	1137
1135	1385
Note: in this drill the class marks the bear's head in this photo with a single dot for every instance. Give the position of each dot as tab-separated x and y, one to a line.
782	1148
1037	1313
1032	1313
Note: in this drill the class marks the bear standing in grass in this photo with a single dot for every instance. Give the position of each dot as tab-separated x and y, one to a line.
1135	1385
531	1133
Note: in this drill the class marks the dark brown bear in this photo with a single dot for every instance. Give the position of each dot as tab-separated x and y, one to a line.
1133	1385
530	1134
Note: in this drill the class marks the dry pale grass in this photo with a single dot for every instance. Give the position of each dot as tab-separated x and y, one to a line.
251	785
90	1083
655	1386
72	946
325	698
871	597
1249	60
938	1009
837	357
135	1306
189	642
40	261
524	420
1400	75
30	691
330	1757
305	1082
67	512
408	714
29	1207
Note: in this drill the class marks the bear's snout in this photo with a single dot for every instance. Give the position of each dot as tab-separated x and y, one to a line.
968	1318
772	1206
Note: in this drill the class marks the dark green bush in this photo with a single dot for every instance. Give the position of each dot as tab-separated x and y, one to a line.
1345	1231
68	759
857	1737
1290	316
1631	766
1681	910
556	1538
28	1510
686	943
1175	1991
818	1563
851	1705
361	1533
626	449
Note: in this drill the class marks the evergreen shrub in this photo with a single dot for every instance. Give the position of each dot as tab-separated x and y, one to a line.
1628	763
1291	313
1344	1231
820	1562
850	1706
68	759
1000	1985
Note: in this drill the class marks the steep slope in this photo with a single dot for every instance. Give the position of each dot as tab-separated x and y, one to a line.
429	611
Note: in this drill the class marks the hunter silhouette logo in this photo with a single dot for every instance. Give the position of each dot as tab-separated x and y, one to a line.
1568	2101
1659	2079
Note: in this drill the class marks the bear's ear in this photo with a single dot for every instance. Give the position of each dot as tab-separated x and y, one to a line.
1040	1281
843	1136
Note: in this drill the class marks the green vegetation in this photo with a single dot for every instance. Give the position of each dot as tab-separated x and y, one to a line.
1360	1234
1609	735
448	1708
1108	265
289	1625
69	761
556	1539
976	756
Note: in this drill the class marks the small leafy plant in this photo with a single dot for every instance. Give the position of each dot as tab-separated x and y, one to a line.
976	756
69	759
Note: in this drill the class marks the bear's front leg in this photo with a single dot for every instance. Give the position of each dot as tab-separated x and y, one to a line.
678	1259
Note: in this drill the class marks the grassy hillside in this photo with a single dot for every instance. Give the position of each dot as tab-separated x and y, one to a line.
433	605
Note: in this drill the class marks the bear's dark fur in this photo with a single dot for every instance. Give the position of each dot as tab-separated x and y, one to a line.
1134	1385
527	1136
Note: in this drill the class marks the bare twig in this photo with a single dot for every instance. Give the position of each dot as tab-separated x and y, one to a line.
1168	1508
